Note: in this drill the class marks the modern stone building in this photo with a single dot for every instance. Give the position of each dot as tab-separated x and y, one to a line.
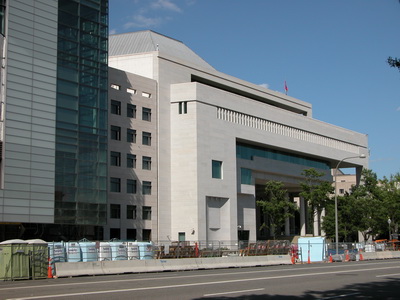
221	138
161	146
132	144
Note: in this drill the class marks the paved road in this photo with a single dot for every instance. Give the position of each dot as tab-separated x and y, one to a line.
352	280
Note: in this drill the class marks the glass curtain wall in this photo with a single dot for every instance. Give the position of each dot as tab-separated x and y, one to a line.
81	137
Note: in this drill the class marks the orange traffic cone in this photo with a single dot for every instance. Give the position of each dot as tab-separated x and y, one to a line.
293	260
361	256
309	259
347	256
330	258
49	270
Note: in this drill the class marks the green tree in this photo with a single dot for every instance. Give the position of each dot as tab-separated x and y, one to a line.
369	211
316	192
276	205
394	62
390	191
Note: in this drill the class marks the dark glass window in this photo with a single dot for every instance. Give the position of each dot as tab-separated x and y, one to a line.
131	186
131	234
146	163
131	110
131	135
217	169
115	211
146	114
146	138
131	212
146	186
115	185
130	160
182	107
115	158
115	133
115	233
115	107
146	235
146	213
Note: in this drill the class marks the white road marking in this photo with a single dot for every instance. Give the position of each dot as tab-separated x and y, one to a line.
233	292
387	275
201	283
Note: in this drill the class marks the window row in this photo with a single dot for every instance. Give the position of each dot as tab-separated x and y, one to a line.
131	212
131	234
131	186
130	90
115	134
115	160
130	110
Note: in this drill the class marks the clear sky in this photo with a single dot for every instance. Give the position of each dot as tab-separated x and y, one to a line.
332	53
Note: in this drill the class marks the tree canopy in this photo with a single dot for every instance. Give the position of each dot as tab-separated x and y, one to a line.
276	205
316	192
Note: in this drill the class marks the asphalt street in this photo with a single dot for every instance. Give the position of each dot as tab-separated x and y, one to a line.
350	280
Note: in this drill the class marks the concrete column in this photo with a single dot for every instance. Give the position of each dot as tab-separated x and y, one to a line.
287	227
315	225
302	216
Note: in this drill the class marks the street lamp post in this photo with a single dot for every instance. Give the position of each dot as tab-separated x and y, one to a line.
336	202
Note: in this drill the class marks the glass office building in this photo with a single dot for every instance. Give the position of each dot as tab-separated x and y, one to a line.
81	116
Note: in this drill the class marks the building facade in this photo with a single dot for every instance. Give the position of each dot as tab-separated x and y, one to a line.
161	146
54	119
132	144
221	138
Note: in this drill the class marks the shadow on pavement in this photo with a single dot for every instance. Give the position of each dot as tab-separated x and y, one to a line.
389	289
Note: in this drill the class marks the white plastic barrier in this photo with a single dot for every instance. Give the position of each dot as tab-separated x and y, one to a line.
73	250
132	250
89	251
119	250
105	252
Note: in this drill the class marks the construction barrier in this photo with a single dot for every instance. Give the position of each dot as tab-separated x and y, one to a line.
64	269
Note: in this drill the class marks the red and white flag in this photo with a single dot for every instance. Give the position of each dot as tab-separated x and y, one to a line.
286	88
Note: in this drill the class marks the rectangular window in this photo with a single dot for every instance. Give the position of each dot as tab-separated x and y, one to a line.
245	176
146	163
115	185
146	95
181	236
146	138
182	108
115	133
115	86
115	107
131	91
130	160
217	169
131	186
146	213
146	186
131	110
146	114
115	211
131	234
131	212
146	235
131	135
115	233
115	158
341	191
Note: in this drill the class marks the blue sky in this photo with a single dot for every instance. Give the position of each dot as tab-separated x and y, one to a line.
332	53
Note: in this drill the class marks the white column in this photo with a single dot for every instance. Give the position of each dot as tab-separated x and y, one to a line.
302	216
